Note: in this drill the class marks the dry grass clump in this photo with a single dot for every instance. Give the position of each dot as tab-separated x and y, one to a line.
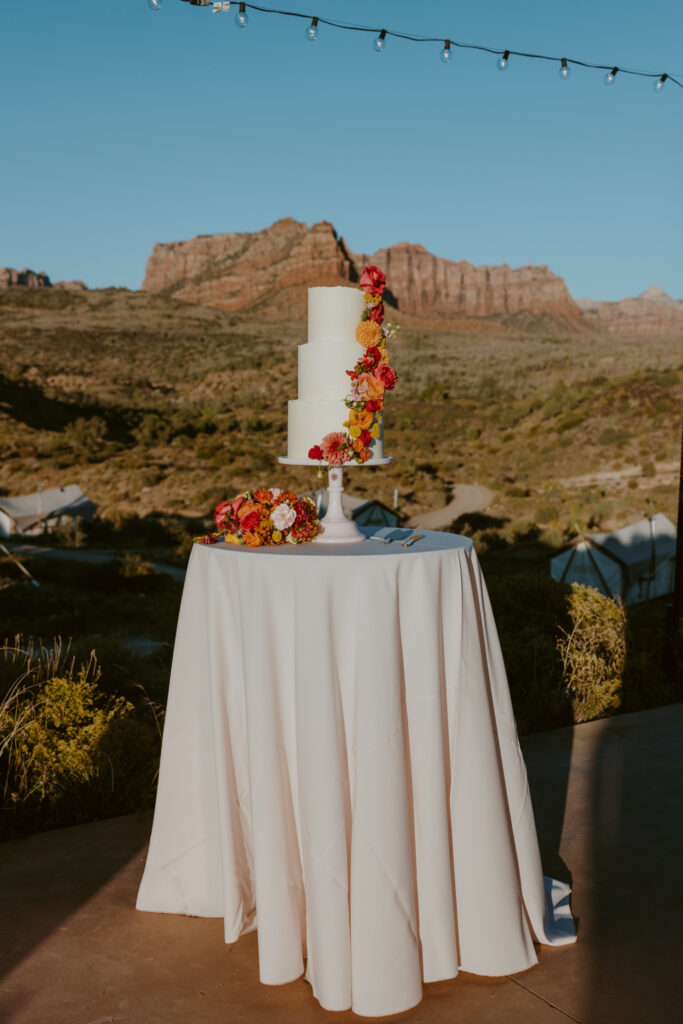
593	652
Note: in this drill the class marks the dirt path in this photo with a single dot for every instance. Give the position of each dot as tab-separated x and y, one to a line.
466	498
664	472
95	557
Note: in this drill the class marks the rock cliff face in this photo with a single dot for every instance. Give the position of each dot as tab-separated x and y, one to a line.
10	278
651	312
423	283
274	267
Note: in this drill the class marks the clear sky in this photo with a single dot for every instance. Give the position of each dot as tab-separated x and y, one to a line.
122	127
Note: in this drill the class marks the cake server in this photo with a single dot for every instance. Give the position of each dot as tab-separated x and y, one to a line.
387	538
412	540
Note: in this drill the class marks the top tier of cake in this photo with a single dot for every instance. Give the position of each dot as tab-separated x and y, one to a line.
334	314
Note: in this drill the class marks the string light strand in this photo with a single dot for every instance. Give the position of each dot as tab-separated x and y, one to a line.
381	35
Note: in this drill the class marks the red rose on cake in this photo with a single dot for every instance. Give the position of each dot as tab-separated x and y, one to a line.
370	358
372	280
377	313
315	452
386	375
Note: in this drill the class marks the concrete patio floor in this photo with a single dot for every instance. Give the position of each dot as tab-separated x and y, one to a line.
608	798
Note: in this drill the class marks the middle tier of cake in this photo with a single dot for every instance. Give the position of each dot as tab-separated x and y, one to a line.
322	370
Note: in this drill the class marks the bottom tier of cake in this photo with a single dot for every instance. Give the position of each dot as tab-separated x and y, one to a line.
308	422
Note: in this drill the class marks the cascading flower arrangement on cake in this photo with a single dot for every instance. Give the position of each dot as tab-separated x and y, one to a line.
265	516
370	378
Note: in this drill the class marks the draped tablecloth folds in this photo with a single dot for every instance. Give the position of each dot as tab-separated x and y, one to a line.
341	770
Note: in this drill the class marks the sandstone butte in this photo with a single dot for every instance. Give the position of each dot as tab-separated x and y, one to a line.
273	269
11	278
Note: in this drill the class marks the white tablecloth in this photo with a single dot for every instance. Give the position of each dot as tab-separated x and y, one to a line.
340	767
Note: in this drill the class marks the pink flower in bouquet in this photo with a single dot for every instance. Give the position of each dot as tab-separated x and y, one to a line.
372	280
386	375
283	516
224	511
334	448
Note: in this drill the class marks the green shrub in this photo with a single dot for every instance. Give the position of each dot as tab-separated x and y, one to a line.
546	513
593	652
649	469
68	751
610	435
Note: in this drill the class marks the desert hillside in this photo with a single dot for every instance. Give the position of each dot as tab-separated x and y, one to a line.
159	407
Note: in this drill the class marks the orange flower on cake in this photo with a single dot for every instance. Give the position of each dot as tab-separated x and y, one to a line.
369	334
360	418
375	388
335	448
252	539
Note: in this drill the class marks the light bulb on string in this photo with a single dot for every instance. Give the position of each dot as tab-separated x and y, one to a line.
610	76
380	41
502	62
154	5
312	30
564	71
242	18
446	55
660	83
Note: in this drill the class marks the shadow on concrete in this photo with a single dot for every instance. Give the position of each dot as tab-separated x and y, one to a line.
548	758
81	859
636	864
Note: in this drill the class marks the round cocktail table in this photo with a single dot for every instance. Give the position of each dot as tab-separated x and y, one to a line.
340	769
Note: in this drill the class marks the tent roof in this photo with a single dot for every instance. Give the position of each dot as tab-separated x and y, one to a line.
633	544
28	509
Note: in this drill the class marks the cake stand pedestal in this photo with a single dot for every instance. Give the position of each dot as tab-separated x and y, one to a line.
335	526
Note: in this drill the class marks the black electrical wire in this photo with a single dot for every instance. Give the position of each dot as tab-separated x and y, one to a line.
349	27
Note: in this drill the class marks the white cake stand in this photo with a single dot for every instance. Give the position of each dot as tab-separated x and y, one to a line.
336	528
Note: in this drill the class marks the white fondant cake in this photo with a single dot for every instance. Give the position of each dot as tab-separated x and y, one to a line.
332	349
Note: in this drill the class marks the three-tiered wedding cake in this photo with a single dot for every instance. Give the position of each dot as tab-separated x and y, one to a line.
331	352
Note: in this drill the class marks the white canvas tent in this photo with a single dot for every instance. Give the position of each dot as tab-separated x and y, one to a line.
636	562
34	513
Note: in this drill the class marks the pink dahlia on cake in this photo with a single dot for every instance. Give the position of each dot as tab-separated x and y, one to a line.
334	448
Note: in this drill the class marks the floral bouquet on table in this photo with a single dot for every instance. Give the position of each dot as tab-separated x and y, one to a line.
265	516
